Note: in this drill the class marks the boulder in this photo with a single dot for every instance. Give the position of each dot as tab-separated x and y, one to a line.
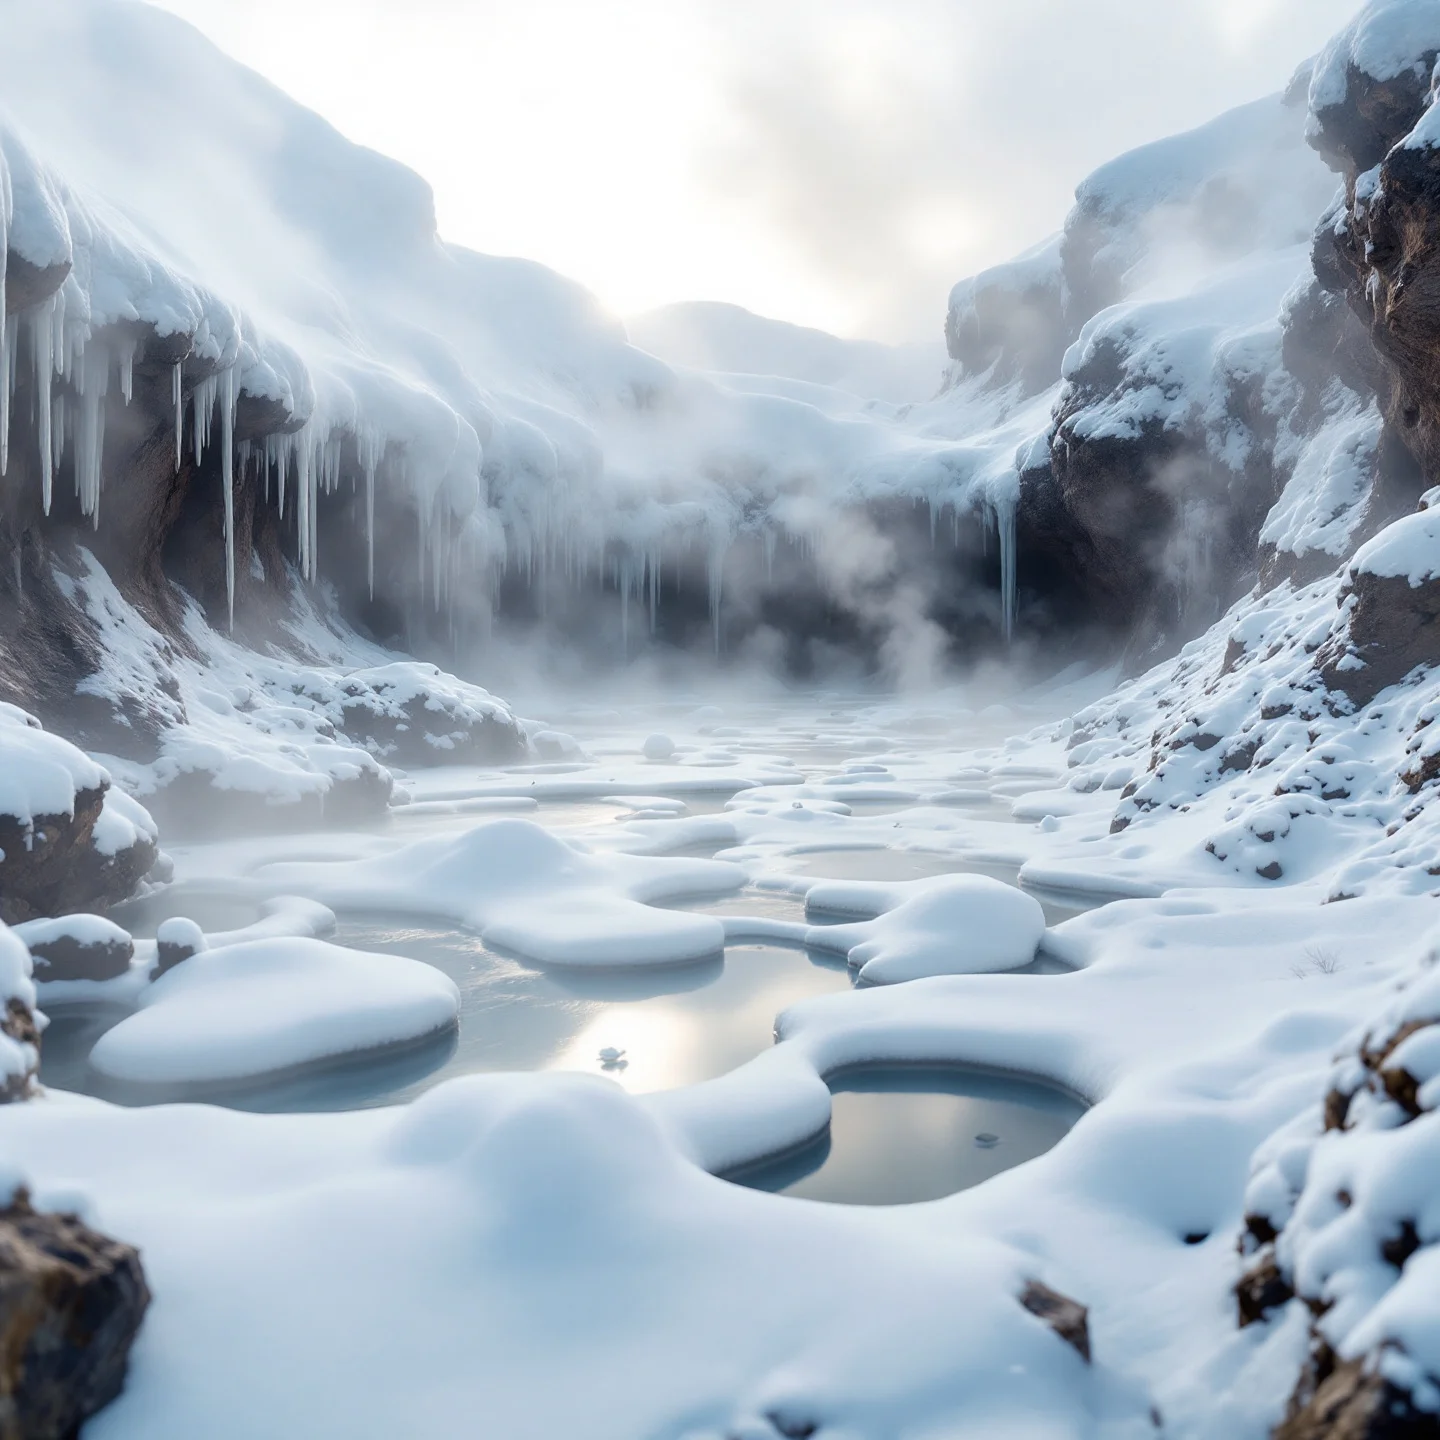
71	1303
77	947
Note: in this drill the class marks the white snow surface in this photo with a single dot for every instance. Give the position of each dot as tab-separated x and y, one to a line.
261	1006
1409	550
1387	38
958	925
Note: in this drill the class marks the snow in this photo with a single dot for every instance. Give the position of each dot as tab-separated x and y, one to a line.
966	924
1387	38
262	1006
41	773
88	930
1409	549
524	890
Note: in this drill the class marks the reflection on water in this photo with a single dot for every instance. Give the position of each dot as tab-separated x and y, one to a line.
675	1025
902	1135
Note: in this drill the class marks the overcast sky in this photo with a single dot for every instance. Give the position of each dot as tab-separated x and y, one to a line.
835	162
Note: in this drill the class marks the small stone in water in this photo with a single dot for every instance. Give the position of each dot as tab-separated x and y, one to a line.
610	1055
986	1141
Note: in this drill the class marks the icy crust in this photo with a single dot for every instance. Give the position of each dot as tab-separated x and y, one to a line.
267	1006
523	890
1385	40
1409	550
1342	1200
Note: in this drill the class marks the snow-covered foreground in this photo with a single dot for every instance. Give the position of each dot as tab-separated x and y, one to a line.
437	1267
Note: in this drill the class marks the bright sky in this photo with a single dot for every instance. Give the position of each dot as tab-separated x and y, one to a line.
838	163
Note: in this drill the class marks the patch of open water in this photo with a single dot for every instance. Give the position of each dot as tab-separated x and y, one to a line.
904	1134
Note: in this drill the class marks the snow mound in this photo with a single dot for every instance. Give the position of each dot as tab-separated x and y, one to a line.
253	1009
523	890
1409	549
955	925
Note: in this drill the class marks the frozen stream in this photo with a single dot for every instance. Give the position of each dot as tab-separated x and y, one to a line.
896	1135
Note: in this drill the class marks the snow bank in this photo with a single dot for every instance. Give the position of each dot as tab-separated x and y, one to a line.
253	1009
1409	549
526	891
958	925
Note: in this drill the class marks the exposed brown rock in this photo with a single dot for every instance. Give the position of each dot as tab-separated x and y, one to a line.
1351	1403
71	1302
1261	1289
1069	1319
1393	627
19	1024
53	867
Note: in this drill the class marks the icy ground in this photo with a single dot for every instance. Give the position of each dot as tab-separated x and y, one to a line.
433	1268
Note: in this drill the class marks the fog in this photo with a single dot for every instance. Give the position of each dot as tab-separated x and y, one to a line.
838	163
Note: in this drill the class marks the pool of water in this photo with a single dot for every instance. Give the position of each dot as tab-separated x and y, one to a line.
901	1135
676	1026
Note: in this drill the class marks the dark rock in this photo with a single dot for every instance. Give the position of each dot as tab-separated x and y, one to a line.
71	1303
19	1024
1066	1317
1261	1289
1393	627
53	868
1354	1403
71	956
175	942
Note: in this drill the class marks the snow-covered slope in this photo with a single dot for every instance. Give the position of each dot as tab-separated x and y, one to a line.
708	335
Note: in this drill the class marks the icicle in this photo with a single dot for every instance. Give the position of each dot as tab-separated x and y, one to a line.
1005	523
177	398
369	446
92	383
227	391
202	403
934	519
59	428
127	368
715	575
42	347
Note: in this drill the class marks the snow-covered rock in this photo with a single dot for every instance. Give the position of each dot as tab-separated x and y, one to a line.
67	840
77	947
265	1006
1341	1215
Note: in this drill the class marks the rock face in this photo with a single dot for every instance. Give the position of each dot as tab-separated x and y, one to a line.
1337	1219
71	1303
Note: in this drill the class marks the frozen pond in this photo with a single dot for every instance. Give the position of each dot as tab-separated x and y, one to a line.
904	1134
897	1135
676	1026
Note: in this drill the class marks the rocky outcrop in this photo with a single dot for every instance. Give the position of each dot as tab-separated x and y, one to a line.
52	864
77	947
71	1304
1337	1221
